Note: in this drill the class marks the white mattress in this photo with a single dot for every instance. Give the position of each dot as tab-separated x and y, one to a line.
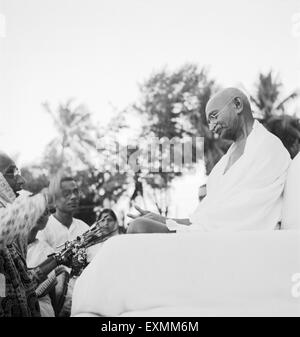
192	274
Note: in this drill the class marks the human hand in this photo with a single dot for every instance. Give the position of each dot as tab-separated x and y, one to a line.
148	215
64	258
141	211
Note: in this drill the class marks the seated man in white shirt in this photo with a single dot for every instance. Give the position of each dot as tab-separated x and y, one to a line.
244	189
62	226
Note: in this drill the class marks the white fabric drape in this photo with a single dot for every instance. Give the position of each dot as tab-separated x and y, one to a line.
291	198
249	195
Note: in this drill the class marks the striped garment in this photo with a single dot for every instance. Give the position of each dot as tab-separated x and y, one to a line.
17	217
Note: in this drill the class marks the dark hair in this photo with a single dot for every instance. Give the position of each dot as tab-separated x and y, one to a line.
110	212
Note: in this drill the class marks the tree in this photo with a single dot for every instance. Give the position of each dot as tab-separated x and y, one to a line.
76	139
36	179
98	187
272	111
173	105
82	152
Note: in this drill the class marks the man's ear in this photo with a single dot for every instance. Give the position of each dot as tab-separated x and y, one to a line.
238	104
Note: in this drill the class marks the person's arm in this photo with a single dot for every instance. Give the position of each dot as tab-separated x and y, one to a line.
186	221
40	273
18	218
157	217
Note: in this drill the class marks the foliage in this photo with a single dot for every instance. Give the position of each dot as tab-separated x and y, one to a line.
35	179
77	150
173	106
75	143
272	111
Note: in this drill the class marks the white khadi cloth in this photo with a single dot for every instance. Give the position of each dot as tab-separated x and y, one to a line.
249	195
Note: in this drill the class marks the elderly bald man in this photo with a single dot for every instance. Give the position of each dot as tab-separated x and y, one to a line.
17	217
11	174
244	189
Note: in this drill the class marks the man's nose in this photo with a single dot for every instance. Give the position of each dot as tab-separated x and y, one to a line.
211	126
74	196
21	180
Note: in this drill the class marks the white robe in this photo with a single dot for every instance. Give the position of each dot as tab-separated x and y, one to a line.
37	253
249	195
291	197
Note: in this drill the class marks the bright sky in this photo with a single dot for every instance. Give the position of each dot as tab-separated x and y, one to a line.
97	52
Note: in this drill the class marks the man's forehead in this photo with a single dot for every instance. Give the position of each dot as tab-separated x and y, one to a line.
11	166
216	103
68	184
219	100
6	162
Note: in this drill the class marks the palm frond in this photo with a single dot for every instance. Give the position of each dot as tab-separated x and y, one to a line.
290	97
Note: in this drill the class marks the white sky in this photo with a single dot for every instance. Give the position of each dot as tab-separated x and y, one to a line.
98	50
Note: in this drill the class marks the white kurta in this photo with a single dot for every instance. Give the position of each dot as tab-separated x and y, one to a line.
249	195
37	253
56	234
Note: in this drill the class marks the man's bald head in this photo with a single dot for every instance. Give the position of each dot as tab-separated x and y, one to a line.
224	96
10	172
5	162
225	110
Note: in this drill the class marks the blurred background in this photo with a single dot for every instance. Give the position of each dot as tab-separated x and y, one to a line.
79	75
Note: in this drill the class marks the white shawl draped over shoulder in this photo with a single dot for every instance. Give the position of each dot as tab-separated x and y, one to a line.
249	195
291	197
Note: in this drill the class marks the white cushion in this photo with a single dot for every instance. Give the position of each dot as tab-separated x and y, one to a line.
200	274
